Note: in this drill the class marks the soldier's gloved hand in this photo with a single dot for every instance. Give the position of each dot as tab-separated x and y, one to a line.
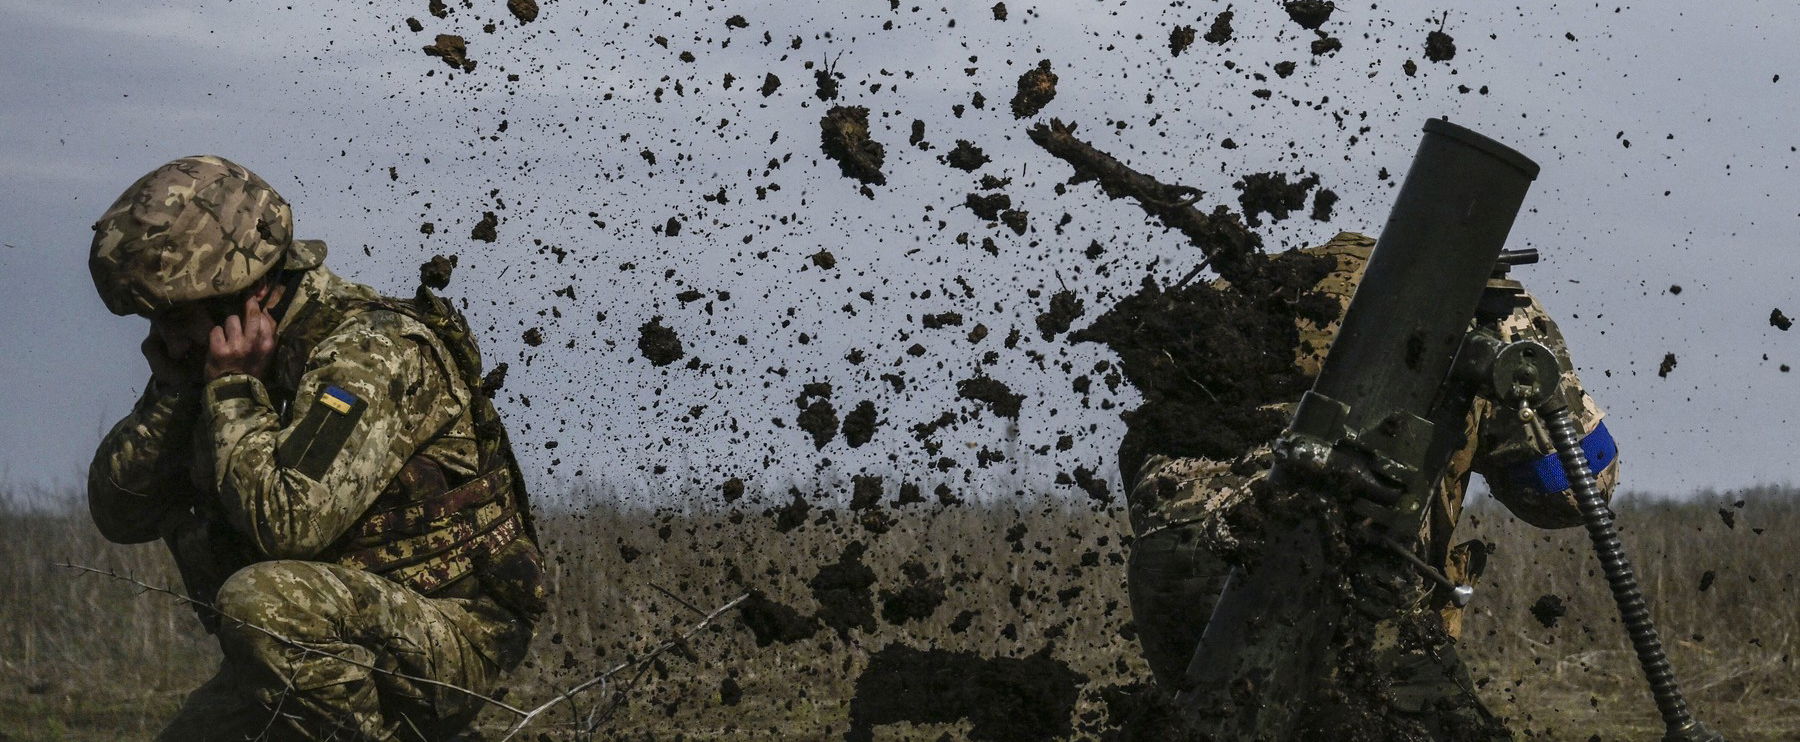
244	344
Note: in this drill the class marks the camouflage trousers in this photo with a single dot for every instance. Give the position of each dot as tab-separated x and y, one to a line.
315	683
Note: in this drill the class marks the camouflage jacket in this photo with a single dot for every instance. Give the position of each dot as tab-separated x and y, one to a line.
283	471
1196	493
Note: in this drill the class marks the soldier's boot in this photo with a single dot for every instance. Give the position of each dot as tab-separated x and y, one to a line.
1172	582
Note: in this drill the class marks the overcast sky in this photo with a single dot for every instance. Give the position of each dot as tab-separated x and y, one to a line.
1666	134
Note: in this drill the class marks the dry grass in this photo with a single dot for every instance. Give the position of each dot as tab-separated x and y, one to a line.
83	658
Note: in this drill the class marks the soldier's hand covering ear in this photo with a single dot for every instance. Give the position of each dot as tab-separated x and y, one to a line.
244	344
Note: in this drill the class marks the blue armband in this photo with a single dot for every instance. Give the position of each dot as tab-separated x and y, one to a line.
1546	474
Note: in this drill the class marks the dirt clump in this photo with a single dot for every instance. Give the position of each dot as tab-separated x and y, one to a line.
1309	14
998	397
843	592
1065	308
771	622
844	136
1180	38
659	344
484	230
1548	610
453	50
1272	194
1220	31
1779	321
859	424
988	207
435	273
1440	46
1037	87
966	156
524	10
1002	698
1668	364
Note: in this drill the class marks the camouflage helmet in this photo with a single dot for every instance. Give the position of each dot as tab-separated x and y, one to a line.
195	228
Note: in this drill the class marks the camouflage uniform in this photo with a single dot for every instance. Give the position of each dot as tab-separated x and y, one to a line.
350	506
1179	506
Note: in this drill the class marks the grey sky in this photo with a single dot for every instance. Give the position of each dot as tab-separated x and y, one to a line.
94	94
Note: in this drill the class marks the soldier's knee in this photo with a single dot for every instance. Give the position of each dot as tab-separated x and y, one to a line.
271	595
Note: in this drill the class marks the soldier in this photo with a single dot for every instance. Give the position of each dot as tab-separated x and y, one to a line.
1181	507
336	489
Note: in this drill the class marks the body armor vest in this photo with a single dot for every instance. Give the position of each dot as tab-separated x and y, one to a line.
443	538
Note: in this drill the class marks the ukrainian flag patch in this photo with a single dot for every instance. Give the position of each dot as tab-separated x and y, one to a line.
338	399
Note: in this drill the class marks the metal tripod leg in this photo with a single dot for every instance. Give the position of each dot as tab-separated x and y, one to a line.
1633	611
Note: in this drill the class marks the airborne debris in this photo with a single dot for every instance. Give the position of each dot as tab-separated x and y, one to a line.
658	343
1310	14
1548	610
1779	321
524	10
966	156
435	273
1668	364
844	135
1180	38
1036	89
1220	32
453	50
485	229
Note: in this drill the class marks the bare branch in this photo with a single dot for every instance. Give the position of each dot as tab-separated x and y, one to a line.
1222	239
603	678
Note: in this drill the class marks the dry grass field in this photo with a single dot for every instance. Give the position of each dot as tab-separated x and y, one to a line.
87	658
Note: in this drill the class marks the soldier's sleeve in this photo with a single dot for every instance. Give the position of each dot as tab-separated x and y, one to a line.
1516	456
138	478
372	394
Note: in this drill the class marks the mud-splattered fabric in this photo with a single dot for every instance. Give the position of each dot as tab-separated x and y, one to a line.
1180	507
289	688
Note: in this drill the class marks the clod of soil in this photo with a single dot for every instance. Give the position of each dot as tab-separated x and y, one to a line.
989	206
485	229
1779	321
826	84
1180	39
999	11
730	693
966	157
659	343
1310	14
999	398
453	50
1440	47
524	10
1668	364
1015	220
1065	308
859	425
771	622
770	84
819	420
1548	610
1323	201
1220	32
1036	89
1325	44
534	336
732	489
435	273
842	589
914	602
792	515
1272	194
1003	698
844	135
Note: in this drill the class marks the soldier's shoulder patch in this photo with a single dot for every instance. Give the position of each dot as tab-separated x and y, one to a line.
314	442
